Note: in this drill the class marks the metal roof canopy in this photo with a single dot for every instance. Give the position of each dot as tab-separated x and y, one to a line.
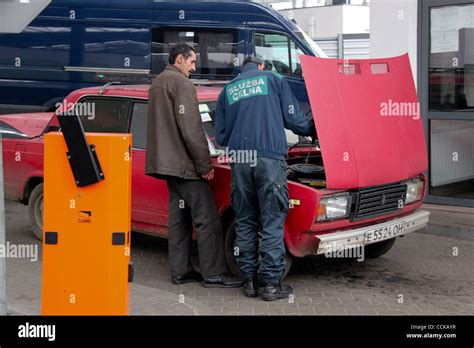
15	15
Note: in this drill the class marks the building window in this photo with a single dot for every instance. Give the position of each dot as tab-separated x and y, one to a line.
452	165
451	66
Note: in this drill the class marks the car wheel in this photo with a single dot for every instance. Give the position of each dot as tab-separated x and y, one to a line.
230	251
35	211
375	250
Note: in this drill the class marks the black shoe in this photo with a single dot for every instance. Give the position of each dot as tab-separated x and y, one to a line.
274	292
251	287
222	281
190	277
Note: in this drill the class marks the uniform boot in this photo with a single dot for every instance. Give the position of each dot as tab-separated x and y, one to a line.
274	292
251	287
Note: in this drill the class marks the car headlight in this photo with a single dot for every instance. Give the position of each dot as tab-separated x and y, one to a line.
414	191
334	207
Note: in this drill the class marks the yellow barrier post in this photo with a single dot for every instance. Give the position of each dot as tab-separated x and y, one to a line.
86	230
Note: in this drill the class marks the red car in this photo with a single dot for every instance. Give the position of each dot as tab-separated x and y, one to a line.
321	220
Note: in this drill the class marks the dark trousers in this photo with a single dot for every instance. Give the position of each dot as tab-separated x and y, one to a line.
192	201
260	190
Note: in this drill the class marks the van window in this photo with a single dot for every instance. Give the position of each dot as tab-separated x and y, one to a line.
295	59
281	54
216	49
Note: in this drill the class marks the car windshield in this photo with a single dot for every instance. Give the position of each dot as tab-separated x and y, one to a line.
208	113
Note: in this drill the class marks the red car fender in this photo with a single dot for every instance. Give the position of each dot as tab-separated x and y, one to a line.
35	174
302	211
304	201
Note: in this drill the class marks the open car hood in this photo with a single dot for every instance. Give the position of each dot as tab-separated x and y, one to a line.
368	120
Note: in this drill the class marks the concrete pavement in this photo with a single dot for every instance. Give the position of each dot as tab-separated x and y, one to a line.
422	275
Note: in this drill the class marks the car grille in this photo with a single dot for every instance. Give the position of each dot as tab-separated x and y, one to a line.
379	200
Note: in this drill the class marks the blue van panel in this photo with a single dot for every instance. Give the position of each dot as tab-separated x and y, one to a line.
116	34
115	4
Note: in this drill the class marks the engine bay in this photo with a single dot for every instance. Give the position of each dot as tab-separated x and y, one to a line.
307	170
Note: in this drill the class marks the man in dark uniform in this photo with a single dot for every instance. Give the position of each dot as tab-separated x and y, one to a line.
177	151
252	113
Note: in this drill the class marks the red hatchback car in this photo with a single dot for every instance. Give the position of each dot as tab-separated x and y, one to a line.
321	219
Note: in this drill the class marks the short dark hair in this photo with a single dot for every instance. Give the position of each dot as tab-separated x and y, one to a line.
183	49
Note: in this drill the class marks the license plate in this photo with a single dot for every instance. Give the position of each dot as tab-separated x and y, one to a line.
383	233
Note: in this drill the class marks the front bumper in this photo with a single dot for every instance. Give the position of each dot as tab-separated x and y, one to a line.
357	237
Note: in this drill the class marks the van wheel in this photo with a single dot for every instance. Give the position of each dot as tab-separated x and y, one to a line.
230	245
375	250
35	211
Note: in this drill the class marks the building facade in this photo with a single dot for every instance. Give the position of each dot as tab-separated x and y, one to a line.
341	29
439	36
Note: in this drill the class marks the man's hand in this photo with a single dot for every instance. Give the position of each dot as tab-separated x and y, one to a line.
209	176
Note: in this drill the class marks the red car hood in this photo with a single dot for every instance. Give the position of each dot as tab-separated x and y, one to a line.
368	121
29	124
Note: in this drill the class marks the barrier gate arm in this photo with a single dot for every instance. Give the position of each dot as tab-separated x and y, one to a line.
82	157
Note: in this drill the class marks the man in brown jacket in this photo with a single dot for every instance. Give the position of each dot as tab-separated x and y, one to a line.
177	151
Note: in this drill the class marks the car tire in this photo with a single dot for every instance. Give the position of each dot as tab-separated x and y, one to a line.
375	250
35	211
230	240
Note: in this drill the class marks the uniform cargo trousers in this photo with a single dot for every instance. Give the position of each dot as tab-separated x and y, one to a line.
261	192
191	201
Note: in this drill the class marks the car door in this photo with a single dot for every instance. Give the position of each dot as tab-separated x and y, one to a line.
149	195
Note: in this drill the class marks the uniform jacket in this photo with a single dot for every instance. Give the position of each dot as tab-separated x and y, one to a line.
253	111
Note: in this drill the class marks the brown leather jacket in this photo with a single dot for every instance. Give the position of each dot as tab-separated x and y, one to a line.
176	143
